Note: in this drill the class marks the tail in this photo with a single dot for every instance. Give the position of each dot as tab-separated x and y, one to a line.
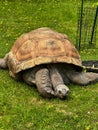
91	65
3	62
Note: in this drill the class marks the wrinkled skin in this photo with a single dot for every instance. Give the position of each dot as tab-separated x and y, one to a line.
52	79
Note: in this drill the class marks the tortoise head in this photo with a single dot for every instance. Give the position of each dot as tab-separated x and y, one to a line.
61	91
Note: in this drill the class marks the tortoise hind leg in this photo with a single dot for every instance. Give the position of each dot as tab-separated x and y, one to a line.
43	83
83	78
3	62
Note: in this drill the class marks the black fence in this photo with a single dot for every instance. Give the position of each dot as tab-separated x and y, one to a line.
87	27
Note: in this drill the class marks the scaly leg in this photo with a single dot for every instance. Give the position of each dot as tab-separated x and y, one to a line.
43	83
61	90
83	78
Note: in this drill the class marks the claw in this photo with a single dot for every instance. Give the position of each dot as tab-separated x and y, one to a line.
49	91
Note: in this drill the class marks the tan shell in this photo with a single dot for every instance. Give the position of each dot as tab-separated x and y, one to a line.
41	46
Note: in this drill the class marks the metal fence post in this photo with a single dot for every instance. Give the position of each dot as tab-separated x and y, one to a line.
94	25
80	31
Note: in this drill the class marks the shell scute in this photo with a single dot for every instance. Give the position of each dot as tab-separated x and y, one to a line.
41	46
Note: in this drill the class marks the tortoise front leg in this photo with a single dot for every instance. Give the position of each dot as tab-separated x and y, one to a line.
61	90
43	83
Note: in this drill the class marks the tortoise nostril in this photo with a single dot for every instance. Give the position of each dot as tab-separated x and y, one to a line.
63	92
60	92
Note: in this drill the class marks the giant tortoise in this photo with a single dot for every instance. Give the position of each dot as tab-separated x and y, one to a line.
47	59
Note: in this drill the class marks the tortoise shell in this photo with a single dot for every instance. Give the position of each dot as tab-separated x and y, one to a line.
41	46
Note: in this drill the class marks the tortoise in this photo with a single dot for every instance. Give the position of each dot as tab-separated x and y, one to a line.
47	59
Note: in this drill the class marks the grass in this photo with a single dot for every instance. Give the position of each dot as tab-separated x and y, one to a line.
21	106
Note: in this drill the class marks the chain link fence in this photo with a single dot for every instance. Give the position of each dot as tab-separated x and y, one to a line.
87	25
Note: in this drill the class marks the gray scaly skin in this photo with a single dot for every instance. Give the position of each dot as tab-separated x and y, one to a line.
51	79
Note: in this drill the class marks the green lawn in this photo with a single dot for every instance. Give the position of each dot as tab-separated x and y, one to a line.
21	106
